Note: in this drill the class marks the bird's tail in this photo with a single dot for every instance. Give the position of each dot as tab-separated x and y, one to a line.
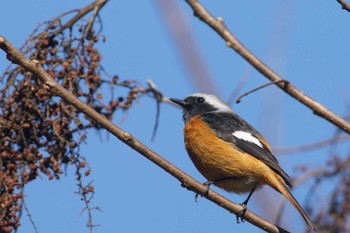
278	185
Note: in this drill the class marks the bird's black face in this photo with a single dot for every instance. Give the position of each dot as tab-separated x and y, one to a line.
194	105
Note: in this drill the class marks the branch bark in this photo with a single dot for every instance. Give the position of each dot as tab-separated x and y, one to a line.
187	181
344	5
217	24
80	14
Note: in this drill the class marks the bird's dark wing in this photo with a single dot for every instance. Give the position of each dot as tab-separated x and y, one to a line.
232	128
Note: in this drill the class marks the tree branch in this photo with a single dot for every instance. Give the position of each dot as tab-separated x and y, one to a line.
218	25
96	5
50	84
344	5
312	146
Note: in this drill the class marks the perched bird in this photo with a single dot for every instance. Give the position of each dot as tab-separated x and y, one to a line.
229	152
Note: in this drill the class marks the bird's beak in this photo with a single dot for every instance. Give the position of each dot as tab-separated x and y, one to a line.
182	103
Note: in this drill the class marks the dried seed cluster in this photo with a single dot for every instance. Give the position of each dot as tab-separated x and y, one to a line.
39	133
335	217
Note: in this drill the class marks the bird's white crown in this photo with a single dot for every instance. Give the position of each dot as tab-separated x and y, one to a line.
214	101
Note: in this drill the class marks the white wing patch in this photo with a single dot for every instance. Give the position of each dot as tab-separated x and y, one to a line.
247	137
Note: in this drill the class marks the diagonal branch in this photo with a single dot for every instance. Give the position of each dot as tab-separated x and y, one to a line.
344	5
218	25
187	181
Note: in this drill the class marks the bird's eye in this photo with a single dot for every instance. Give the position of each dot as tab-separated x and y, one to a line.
200	99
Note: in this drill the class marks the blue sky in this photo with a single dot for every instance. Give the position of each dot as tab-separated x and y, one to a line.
304	41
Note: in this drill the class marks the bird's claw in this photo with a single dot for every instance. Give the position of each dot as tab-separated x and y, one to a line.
239	218
196	197
207	184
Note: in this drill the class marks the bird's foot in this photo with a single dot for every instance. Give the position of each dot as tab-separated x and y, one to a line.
207	184
239	217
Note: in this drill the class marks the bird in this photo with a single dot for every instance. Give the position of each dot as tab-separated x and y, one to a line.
229	152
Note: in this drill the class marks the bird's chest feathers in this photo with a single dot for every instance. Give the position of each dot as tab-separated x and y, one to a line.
211	155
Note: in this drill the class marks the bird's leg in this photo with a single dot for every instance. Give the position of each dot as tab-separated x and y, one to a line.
208	183
244	206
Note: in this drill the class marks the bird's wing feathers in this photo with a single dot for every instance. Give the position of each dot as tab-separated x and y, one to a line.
231	128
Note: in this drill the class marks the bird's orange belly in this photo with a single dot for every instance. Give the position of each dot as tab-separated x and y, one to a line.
217	159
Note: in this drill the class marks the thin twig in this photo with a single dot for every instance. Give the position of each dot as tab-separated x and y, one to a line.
187	181
217	24
159	99
239	99
28	214
311	146
85	196
81	13
89	25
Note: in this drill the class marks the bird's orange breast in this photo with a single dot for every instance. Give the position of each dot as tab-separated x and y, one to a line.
218	159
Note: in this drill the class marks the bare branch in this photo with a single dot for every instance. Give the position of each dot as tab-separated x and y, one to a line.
29	215
97	5
344	5
159	98
50	84
239	99
312	146
217	24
